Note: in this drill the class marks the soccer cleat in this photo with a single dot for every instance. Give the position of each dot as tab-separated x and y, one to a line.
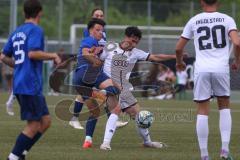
121	124
87	144
105	146
225	155
205	158
155	145
9	108
75	124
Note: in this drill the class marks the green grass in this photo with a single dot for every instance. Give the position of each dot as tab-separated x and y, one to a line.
174	124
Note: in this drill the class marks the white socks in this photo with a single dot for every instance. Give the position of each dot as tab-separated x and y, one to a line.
202	134
88	138
225	125
13	157
110	128
144	133
11	98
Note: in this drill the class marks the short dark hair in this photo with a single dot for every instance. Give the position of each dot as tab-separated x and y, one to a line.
32	8
210	2
133	31
96	9
95	21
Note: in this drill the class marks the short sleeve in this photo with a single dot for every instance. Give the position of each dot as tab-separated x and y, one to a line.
231	25
8	48
36	39
188	31
87	43
141	55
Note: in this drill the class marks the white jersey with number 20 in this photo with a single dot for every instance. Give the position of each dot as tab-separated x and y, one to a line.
210	31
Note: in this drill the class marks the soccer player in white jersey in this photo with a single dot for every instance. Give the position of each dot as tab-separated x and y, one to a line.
211	31
78	105
119	60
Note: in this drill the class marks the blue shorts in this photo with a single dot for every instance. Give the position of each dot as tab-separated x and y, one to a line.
89	76
32	107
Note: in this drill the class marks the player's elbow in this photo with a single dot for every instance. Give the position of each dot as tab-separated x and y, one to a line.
31	55
178	50
237	44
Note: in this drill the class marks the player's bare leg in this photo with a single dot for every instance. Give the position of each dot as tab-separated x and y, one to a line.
45	123
133	111
111	92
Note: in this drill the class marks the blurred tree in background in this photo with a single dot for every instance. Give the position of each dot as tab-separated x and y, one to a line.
121	12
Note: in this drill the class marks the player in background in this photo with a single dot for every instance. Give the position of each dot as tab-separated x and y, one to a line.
211	31
89	73
26	45
74	122
8	74
119	60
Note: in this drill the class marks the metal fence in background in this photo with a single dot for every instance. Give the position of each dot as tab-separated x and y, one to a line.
149	14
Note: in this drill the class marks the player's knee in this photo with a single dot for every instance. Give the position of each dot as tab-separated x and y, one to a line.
117	110
223	102
95	112
32	128
46	123
80	99
112	90
132	112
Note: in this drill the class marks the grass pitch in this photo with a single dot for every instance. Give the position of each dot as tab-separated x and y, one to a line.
174	124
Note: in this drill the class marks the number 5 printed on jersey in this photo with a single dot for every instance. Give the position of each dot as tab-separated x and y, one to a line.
19	53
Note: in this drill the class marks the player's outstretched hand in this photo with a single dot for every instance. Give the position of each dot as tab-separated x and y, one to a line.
96	50
57	59
235	66
181	66
97	63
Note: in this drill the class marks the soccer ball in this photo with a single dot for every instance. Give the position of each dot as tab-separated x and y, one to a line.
144	119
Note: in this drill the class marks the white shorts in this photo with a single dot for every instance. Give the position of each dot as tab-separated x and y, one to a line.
126	99
208	84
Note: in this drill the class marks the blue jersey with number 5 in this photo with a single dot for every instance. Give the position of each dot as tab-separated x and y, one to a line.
27	72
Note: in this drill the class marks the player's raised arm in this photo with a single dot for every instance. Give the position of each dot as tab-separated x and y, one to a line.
41	55
160	57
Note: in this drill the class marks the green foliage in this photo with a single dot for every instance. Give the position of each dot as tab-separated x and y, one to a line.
179	19
122	12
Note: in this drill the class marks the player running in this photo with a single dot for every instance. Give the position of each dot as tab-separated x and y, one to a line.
211	31
26	45
119	60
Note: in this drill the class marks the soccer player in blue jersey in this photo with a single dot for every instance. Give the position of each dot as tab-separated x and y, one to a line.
26	45
99	14
89	73
96	13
